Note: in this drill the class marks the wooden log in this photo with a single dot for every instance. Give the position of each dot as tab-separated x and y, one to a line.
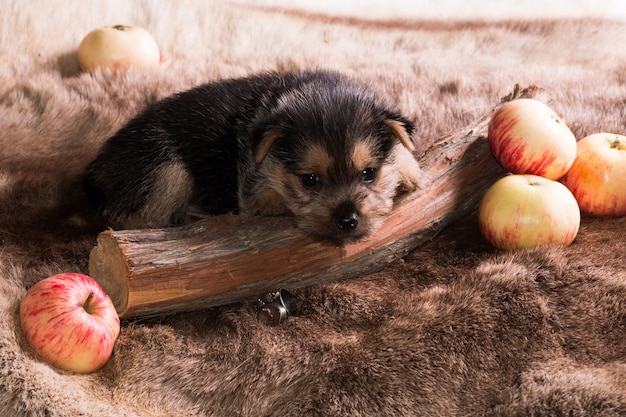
227	258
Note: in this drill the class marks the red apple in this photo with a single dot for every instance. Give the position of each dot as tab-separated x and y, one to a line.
528	137
118	47
526	211
598	176
70	321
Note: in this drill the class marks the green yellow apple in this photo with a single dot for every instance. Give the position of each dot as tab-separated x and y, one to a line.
525	211
118	47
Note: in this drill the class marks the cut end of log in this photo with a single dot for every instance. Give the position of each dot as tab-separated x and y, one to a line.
107	266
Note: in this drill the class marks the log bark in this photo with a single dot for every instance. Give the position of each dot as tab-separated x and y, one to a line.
227	258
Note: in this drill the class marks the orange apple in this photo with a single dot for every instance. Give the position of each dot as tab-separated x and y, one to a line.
526	211
70	321
598	176
118	47
528	137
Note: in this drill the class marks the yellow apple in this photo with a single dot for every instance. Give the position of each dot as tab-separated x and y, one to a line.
528	137
526	211
598	176
118	47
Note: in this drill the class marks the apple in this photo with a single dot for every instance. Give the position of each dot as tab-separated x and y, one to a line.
525	211
70	321
118	47
528	137
598	176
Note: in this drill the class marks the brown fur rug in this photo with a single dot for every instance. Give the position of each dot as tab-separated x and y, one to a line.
454	329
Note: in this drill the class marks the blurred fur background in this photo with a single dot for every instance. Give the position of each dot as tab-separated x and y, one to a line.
455	329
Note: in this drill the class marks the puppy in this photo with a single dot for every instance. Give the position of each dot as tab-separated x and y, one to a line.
313	145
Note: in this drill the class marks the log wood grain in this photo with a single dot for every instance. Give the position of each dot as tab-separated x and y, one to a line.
229	258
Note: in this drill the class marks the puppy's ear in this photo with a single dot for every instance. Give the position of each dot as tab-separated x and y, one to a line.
265	141
264	134
401	130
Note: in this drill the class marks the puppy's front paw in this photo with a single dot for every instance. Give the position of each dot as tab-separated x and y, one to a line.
411	175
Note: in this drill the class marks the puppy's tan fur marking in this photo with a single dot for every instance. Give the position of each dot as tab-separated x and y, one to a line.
270	202
317	160
267	198
399	132
411	176
362	155
266	144
172	189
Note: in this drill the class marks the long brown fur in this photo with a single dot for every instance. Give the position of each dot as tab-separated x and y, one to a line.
454	329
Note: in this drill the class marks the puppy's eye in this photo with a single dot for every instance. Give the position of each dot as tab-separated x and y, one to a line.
310	180
369	174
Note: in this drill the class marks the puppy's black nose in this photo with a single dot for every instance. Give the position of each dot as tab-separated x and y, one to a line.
349	222
347	217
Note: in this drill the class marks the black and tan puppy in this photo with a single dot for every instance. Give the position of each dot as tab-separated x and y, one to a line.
313	145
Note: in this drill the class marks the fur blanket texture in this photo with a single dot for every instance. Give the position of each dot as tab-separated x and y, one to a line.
454	329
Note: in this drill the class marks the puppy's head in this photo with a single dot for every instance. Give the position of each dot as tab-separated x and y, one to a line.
330	154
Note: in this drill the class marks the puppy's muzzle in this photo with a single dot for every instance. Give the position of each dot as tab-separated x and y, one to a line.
346	217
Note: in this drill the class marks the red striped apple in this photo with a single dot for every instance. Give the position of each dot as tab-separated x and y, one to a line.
118	47
598	176
70	321
526	211
528	137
